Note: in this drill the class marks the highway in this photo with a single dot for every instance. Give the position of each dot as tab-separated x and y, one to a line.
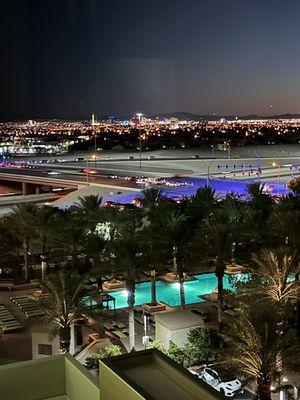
242	164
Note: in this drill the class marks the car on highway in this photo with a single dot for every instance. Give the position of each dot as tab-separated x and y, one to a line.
151	157
90	171
196	156
228	388
53	173
130	158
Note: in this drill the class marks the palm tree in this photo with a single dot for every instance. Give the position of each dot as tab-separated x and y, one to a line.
253	344
201	205
272	272
67	242
128	259
214	246
63	302
94	248
89	206
23	227
9	248
155	255
43	224
115	220
150	201
174	233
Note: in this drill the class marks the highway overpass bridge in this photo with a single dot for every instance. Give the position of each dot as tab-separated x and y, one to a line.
30	183
37	182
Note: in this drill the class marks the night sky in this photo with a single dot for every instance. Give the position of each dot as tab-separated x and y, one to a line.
69	58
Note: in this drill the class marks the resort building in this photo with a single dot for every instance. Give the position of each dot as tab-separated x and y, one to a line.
175	326
148	375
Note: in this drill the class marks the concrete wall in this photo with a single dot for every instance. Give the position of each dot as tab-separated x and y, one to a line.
162	334
33	380
47	378
112	387
177	336
43	338
79	383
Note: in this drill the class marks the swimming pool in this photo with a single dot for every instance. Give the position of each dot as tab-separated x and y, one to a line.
169	292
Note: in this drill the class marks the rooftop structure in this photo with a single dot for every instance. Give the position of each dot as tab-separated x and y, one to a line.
56	378
126	377
175	326
150	375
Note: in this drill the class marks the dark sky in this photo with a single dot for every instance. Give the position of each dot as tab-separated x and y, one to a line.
69	58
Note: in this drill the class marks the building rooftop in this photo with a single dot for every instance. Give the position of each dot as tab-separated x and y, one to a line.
153	376
181	319
55	378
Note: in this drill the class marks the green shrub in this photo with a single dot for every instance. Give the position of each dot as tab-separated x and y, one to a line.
111	350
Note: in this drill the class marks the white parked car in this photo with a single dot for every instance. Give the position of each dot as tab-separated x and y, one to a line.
229	388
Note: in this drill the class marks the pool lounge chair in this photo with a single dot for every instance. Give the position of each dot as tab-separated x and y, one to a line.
29	307
36	313
22	301
4	315
119	334
118	324
108	326
5	311
11	322
14	298
7	317
13	328
139	318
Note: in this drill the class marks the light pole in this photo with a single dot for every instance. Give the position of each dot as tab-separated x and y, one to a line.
87	172
274	164
208	173
139	115
229	150
258	166
95	145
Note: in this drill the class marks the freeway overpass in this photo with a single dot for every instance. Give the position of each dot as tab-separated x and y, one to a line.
29	181
32	181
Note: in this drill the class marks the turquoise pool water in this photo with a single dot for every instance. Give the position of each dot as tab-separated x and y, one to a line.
169	292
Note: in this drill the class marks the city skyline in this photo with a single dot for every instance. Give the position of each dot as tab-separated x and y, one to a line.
68	59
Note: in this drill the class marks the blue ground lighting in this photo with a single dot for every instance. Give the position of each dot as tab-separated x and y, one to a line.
221	186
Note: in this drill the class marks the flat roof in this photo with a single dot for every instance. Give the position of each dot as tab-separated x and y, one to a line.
181	319
156	377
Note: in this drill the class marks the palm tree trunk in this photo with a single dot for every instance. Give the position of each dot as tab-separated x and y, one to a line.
130	300
100	305
175	259
43	266
181	289
220	274
25	250
64	339
153	288
297	305
263	389
131	329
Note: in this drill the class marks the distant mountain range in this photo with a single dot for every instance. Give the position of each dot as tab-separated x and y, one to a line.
4	117
213	117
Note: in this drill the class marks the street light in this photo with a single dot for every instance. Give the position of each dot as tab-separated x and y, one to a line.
274	164
94	157
208	173
139	115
